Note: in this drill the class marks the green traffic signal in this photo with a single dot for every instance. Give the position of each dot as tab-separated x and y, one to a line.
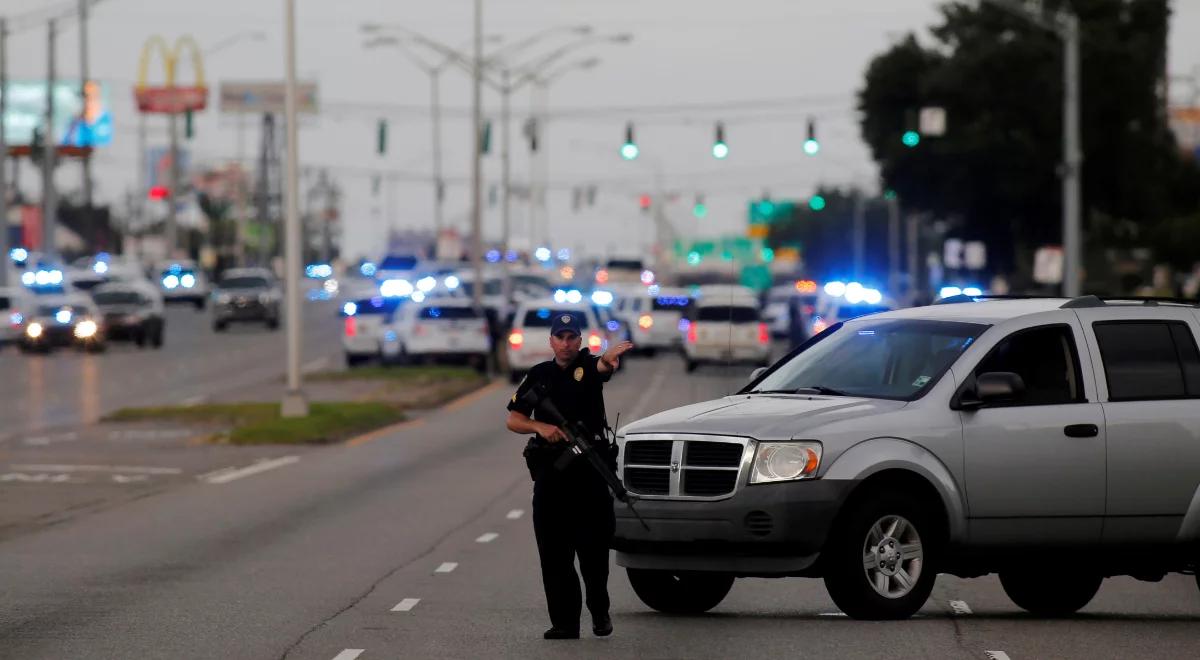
911	139
700	210
629	151
811	147
720	150
816	202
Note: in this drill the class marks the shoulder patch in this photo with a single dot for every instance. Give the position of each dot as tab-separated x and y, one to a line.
578	374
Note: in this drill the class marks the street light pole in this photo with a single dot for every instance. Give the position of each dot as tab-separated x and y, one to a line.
439	187
4	247
49	154
477	161
294	403
83	117
1072	158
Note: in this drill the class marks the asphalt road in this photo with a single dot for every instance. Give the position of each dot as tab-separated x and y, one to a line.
418	543
68	387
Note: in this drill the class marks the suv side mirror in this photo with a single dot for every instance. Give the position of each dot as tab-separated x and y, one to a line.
990	388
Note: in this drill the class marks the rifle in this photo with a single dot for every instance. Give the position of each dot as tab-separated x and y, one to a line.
579	443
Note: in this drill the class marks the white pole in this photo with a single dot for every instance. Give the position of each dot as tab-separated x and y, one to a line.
294	403
477	162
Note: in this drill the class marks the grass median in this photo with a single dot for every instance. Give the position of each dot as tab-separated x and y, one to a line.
261	423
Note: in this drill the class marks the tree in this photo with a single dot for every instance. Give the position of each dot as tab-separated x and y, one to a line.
995	172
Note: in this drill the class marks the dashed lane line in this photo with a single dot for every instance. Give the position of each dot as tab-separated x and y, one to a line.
225	477
997	655
349	654
487	538
514	514
124	469
406	605
446	567
960	607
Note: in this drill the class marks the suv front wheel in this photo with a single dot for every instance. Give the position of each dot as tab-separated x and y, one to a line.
1050	593
877	562
679	592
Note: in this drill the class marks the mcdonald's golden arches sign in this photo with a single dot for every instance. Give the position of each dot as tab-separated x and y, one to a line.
170	97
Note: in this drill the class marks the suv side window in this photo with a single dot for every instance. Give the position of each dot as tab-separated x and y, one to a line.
1045	358
1145	360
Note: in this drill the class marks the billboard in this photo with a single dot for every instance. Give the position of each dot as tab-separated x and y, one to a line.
27	111
265	96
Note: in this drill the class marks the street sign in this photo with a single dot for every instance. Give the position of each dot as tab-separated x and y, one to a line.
932	122
170	98
259	97
1048	265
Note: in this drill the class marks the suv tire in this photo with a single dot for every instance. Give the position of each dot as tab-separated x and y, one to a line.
902	540
1050	593
679	592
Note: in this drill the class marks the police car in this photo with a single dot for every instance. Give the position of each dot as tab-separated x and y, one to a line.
443	330
130	313
726	326
656	317
61	321
529	339
182	281
369	330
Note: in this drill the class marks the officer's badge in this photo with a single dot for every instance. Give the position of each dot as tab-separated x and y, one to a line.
578	373
566	319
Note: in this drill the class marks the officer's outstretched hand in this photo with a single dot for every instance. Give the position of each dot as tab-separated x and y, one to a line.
551	432
613	355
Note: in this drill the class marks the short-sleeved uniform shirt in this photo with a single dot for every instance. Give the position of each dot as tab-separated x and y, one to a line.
577	390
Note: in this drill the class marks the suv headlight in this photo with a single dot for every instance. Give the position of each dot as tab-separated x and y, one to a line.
266	298
224	298
785	461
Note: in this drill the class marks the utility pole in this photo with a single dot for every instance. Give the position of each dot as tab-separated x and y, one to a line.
294	403
89	227
505	169
860	233
49	153
4	246
477	162
1072	157
439	186
893	279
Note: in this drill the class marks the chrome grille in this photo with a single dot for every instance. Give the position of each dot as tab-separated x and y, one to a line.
684	466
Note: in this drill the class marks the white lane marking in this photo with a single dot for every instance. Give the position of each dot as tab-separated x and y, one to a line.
833	614
514	514
348	654
193	401
487	538
315	365
406	605
960	607
36	478
207	475
261	466
128	469
997	655
446	567
122	479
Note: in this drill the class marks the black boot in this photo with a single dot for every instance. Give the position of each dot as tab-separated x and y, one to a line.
559	633
602	625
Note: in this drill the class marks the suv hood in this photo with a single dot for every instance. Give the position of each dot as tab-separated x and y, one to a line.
121	309
762	416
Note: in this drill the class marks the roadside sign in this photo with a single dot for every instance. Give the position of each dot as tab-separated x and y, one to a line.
932	122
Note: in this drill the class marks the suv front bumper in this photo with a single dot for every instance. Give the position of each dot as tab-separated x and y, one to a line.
763	529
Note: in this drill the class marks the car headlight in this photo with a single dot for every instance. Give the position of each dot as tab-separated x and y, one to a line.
266	298
785	461
224	298
86	329
34	330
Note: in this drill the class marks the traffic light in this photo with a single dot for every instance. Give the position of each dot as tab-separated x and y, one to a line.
629	150
911	139
485	138
699	209
381	138
644	202
719	149
188	127
811	145
816	202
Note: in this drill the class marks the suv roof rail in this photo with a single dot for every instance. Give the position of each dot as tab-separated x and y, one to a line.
1149	301
964	298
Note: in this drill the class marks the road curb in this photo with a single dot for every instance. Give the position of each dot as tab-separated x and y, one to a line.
455	404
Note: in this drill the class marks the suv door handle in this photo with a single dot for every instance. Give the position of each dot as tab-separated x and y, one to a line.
1082	431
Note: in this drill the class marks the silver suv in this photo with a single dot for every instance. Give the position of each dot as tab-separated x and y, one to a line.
1055	442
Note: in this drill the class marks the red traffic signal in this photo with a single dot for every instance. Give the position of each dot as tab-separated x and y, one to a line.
644	202
159	192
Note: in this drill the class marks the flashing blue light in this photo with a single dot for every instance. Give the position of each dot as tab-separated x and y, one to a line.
510	256
171	281
318	271
543	313
564	255
377	302
187	280
672	301
350	309
435	312
426	284
28	279
855	293
493	256
560	296
100	267
16	319
451	282
390	335
613	326
684	324
103	256
19	255
367	269
835	288
63	316
972	291
175	269
949	292
602	297
872	296
395	288
418	296
574	296
542	254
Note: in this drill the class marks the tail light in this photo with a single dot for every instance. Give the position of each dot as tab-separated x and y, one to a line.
764	335
516	339
351	326
645	322
692	333
594	341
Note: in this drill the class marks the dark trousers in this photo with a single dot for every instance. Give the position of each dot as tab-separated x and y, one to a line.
572	520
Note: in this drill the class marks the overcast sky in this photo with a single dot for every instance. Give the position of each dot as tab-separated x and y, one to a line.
760	66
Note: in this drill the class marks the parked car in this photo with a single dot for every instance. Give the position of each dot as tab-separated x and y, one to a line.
1053	441
181	280
443	330
654	319
725	325
369	329
529	339
14	303
61	321
130	313
246	295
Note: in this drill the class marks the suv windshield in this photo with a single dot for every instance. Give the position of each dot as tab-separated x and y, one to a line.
671	303
447	313
879	359
544	317
244	283
729	314
490	288
117	298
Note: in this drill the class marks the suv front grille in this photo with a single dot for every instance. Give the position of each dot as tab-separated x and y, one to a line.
686	468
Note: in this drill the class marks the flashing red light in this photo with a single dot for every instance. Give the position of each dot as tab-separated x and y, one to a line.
351	327
516	339
594	342
692	333
159	192
764	335
644	202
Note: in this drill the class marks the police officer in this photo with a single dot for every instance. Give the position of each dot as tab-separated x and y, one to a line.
572	507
